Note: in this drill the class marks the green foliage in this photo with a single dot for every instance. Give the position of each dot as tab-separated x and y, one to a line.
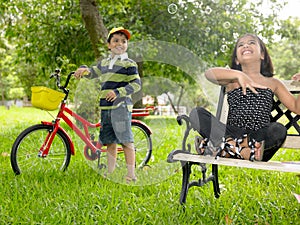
6	68
51	34
87	99
204	27
44	32
16	93
286	52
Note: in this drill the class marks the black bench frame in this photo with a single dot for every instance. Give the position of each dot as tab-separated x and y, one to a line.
293	141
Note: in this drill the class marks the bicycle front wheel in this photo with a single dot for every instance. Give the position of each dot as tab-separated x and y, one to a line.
25	151
142	144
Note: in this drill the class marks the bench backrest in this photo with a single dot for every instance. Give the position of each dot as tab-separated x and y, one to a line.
279	113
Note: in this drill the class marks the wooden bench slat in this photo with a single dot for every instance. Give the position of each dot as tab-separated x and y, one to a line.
292	86
271	165
292	142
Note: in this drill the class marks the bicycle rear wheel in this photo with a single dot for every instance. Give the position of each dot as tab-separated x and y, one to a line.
142	144
25	150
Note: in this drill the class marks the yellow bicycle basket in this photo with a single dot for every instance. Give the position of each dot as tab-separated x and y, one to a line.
45	98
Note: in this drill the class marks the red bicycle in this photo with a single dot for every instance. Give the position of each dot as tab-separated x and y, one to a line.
48	146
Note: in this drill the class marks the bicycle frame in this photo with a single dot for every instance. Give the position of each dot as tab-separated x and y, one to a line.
85	136
63	113
56	147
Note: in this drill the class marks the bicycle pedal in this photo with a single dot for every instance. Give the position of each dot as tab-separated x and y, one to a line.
102	166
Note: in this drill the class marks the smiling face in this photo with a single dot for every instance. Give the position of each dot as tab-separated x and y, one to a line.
248	50
251	49
118	44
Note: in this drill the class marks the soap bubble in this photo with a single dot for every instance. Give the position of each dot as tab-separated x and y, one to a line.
198	4
226	25
172	8
227	8
224	48
207	29
208	10
243	18
194	68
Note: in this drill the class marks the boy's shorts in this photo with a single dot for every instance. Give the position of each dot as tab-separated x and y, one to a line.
116	126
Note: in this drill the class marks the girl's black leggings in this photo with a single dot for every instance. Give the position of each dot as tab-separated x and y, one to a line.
208	126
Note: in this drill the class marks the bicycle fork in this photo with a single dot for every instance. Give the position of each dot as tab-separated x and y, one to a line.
44	150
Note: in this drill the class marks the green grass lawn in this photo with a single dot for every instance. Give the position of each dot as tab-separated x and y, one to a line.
82	196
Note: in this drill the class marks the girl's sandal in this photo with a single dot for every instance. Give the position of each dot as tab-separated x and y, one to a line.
246	148
251	149
228	148
241	148
201	146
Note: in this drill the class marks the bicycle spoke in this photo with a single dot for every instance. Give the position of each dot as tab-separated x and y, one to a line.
25	151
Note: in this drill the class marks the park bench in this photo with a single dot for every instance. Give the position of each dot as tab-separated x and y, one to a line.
142	112
189	159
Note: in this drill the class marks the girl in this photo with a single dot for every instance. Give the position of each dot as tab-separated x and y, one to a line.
250	87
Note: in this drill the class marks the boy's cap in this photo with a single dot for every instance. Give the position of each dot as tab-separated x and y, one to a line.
119	29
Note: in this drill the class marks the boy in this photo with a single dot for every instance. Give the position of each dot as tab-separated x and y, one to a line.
119	80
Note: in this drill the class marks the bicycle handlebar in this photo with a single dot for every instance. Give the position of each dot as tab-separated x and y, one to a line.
56	75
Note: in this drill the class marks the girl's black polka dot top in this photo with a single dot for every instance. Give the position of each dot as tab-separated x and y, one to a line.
251	111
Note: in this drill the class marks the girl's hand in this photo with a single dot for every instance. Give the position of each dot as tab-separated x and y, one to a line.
246	82
296	77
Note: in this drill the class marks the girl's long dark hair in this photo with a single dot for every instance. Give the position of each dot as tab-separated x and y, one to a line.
266	66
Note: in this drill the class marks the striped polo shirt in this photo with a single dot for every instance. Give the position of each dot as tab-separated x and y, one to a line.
119	74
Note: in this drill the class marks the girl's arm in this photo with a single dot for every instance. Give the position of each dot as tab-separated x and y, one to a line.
225	77
285	96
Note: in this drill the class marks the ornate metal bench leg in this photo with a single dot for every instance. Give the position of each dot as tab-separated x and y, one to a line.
186	171
216	186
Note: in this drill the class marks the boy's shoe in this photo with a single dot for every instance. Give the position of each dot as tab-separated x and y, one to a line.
130	179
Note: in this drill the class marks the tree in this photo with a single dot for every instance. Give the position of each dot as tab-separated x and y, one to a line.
46	34
50	34
6	56
286	52
207	29
93	24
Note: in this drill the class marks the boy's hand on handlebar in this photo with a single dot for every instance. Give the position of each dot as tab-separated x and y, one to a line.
80	72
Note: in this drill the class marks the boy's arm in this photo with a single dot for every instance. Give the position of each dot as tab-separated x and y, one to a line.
132	87
134	84
85	71
81	71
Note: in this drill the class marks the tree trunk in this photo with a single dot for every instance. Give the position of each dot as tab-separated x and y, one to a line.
180	97
93	24
172	103
2	90
98	35
138	97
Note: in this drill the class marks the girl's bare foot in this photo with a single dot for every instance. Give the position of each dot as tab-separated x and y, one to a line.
259	150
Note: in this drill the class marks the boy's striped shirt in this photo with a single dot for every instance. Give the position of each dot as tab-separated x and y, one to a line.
119	74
